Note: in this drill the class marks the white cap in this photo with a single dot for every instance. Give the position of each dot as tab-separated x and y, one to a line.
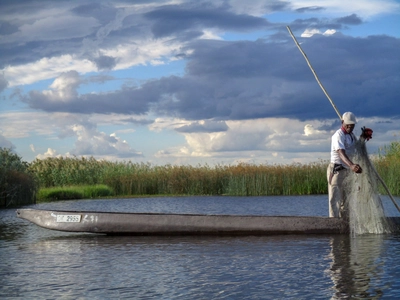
349	118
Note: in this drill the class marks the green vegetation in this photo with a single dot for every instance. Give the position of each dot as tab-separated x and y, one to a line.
388	166
77	178
128	179
74	192
17	186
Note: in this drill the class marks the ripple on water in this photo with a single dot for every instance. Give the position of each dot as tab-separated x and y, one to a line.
38	263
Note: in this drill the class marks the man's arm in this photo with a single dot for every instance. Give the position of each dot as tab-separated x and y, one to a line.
343	156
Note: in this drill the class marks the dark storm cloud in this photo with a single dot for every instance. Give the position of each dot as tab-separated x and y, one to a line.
3	83
223	80
243	59
7	28
277	5
13	54
353	19
171	19
315	23
103	13
246	80
124	101
324	24
90	25
82	22
26	7
310	9
105	62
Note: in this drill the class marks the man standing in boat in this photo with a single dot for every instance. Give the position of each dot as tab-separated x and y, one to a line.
343	146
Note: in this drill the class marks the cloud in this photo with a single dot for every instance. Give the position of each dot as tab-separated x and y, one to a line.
278	140
7	28
64	87
82	37
90	142
51	28
5	143
91	36
103	13
246	80
352	19
365	8
239	95
105	62
310	32
172	19
25	123
257	141
3	83
255	7
204	126
46	68
123	56
315	24
310	9
63	97
49	153
60	126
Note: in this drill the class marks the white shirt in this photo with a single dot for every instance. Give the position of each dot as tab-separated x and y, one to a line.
342	140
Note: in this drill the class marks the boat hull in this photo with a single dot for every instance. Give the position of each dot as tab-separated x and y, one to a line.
114	223
179	224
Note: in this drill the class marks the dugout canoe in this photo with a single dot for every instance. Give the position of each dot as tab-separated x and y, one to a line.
178	224
117	223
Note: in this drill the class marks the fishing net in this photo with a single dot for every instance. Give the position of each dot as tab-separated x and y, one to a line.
364	205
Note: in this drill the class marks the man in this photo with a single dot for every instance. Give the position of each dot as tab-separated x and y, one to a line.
343	145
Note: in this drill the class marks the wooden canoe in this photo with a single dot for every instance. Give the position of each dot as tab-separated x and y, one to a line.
180	224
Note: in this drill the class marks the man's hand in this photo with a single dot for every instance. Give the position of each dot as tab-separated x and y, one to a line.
356	168
343	156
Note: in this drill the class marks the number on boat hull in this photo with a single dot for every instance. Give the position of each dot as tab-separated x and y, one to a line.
68	218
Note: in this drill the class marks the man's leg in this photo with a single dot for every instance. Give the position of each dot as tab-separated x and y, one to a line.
335	191
344	204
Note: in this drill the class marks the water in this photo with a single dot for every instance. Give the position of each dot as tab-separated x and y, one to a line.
36	263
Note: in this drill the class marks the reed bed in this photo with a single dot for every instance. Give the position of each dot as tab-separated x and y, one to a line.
127	178
388	166
74	192
20	181
72	175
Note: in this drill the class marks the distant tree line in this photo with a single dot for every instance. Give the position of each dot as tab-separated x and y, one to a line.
17	183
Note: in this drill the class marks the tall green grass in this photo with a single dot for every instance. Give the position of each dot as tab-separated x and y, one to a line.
388	166
294	179
74	192
129	179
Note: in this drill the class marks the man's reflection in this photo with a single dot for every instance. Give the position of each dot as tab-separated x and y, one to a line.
356	267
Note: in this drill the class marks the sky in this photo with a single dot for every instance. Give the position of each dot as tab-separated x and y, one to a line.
195	82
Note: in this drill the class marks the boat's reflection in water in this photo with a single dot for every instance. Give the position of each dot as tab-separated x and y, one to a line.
356	265
37	263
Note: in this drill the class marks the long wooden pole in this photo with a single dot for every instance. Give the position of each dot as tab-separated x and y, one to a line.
315	74
337	111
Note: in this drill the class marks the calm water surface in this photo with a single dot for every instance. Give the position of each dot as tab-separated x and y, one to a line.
36	263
